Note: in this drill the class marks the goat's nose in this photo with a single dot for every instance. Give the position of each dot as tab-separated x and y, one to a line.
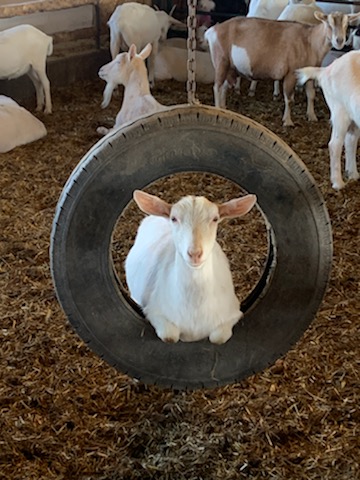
195	254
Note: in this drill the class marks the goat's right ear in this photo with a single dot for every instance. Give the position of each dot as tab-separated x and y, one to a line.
151	204
132	51
145	52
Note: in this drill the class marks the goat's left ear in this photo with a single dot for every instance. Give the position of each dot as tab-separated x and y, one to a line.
145	52
132	51
237	207
354	19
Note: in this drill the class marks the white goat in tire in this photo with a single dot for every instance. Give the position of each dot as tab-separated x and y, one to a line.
178	273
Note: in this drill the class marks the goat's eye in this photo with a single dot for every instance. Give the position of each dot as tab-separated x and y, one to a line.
174	219
215	219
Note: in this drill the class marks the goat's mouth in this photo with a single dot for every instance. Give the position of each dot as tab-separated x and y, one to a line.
195	264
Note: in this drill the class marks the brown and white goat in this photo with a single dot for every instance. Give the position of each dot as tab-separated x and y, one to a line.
268	49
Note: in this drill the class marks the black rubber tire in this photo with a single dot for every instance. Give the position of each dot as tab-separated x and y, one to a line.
182	139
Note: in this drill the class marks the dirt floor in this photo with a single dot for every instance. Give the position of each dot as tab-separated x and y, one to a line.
66	414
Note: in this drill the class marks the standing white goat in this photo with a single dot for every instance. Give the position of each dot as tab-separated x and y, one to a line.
257	48
340	84
178	273
23	50
129	69
138	24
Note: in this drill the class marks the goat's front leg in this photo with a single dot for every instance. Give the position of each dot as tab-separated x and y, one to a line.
224	331
167	331
288	88
276	91
310	94
351	142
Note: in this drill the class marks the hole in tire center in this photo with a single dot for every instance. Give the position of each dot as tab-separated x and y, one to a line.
244	240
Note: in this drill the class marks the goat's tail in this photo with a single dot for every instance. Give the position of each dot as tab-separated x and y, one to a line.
308	73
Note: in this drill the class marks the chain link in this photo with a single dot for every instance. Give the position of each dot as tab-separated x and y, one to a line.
191	45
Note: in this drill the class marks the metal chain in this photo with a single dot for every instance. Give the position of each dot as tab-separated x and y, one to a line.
191	45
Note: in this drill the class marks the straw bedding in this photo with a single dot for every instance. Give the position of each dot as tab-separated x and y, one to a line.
65	414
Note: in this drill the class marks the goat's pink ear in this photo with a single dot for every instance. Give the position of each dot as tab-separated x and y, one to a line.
145	52
132	51
237	207
151	204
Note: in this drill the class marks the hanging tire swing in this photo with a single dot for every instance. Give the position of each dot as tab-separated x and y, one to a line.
191	138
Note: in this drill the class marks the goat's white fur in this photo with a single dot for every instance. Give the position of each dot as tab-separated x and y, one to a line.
23	50
138	24
243	46
171	63
17	125
129	69
340	84
178	273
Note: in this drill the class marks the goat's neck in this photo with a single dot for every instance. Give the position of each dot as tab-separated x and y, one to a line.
319	41
138	85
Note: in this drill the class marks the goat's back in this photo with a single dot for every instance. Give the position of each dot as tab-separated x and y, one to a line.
137	23
23	46
261	48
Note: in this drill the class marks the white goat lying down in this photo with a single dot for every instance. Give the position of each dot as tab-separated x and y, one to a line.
171	63
17	125
268	49
23	50
178	273
138	24
129	69
340	84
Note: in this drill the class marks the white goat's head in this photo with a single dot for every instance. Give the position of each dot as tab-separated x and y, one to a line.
194	221
119	71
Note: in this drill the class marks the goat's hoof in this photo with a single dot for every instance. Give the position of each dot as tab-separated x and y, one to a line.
338	185
288	123
220	335
251	94
169	333
352	176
